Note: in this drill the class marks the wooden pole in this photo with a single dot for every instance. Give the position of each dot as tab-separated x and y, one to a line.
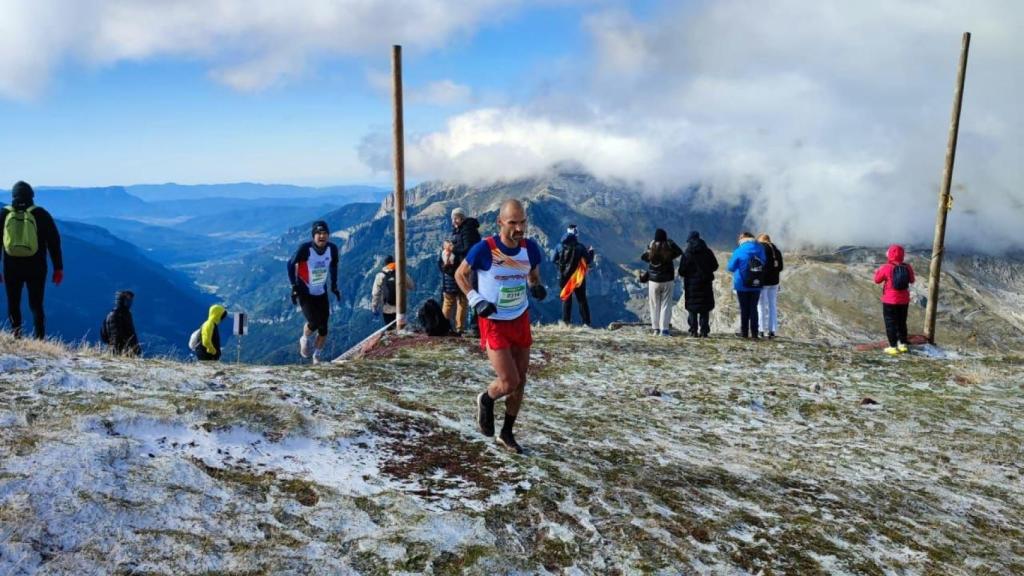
945	202
396	68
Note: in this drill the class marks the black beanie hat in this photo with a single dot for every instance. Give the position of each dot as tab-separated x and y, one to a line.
660	235
389	259
693	235
22	193
320	226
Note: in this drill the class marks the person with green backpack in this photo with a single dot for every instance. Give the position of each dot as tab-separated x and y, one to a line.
29	234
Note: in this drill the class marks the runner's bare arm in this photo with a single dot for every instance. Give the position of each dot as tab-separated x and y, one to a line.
463	277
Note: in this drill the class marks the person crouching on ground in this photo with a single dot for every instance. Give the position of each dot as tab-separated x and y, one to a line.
896	276
118	329
384	294
205	342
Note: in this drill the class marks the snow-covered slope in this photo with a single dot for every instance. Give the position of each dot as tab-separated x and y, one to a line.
645	455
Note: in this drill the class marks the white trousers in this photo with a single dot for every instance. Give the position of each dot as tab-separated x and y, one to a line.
766	307
660	297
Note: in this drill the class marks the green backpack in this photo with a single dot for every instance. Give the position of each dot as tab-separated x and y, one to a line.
20	236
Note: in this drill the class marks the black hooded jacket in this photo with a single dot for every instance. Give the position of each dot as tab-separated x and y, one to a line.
464	237
49	242
697	269
568	255
118	330
774	264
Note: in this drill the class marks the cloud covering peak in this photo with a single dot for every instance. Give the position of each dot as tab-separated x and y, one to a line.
830	117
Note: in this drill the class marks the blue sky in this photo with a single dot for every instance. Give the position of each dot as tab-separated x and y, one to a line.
164	119
830	116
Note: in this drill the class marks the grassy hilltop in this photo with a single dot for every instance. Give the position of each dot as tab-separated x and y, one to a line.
646	455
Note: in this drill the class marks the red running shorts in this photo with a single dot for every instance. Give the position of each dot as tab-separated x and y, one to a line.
501	334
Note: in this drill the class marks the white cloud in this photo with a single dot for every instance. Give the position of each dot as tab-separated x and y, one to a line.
249	44
832	117
442	93
504	144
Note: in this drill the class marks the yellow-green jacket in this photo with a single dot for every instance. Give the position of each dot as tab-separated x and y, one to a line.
208	332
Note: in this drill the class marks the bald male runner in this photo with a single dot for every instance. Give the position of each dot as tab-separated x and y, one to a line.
506	267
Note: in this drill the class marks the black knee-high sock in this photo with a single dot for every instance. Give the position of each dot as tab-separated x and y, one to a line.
510	421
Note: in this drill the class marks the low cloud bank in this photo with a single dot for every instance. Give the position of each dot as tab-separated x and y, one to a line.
832	118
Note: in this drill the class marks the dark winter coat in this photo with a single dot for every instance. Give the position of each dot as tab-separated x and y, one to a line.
464	237
49	242
697	268
118	330
773	265
568	256
448	283
659	256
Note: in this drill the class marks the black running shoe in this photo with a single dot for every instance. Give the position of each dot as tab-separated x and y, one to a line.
485	414
508	441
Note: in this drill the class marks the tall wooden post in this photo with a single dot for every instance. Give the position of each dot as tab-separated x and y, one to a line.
945	202
396	68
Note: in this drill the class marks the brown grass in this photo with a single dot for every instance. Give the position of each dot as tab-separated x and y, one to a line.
30	347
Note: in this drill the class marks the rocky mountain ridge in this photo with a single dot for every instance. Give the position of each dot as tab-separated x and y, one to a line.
826	294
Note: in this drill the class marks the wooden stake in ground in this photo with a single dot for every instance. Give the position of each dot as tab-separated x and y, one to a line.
945	201
396	68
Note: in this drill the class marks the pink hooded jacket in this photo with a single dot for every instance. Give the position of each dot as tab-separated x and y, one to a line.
884	274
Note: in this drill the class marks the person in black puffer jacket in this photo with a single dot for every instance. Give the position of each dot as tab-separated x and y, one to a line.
118	330
661	279
697	268
465	235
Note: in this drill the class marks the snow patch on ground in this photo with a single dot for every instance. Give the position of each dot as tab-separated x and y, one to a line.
933	351
9	363
64	381
344	465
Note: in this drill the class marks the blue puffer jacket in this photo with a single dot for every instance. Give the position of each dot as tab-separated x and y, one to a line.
738	263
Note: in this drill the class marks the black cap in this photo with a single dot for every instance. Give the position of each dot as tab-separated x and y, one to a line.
320	226
660	235
389	259
693	235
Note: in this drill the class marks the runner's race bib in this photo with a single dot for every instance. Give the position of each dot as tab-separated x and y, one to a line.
318	275
511	297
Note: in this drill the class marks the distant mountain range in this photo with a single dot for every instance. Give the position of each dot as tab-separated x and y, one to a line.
167	306
239	256
253	191
617	220
179	225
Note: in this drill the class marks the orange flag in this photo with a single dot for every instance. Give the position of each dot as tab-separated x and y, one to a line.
575	280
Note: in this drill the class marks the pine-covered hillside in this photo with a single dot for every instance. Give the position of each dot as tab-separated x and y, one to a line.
645	455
